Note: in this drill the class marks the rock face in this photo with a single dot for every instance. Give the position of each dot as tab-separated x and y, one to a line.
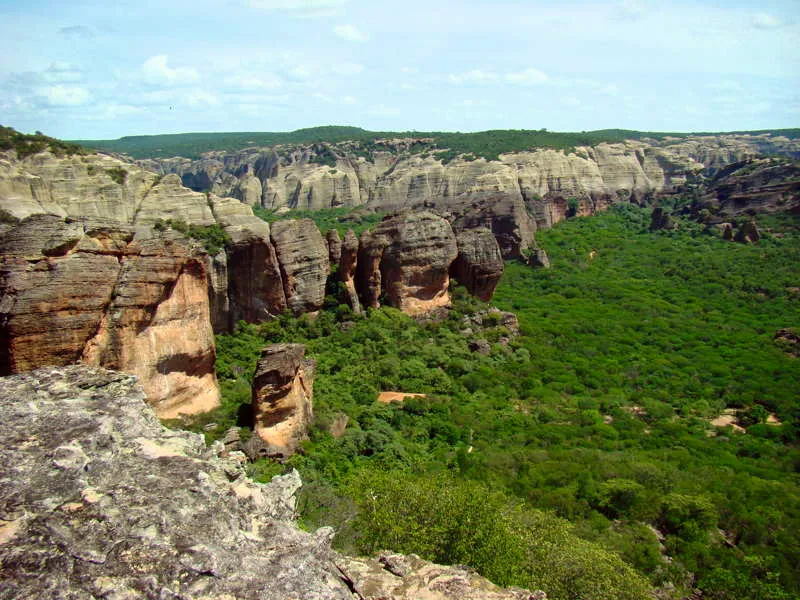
112	296
334	246
110	504
407	258
303	258
399	175
347	269
479	265
758	185
283	391
400	577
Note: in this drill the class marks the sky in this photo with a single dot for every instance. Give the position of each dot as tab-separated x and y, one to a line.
83	69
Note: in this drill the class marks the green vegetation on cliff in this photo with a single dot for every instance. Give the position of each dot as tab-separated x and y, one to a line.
26	144
445	145
597	414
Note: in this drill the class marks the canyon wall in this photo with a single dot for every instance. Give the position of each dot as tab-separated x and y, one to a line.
109	295
398	178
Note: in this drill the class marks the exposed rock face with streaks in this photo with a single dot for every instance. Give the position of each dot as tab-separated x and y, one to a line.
396	176
110	504
347	268
303	259
407	258
479	265
283	393
109	295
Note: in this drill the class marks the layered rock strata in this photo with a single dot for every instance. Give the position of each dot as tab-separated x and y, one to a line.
303	258
110	504
283	392
397	176
109	295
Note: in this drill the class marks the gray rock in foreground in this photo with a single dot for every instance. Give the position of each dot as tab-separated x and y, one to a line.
98	500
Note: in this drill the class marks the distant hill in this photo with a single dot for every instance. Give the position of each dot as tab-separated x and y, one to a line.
486	144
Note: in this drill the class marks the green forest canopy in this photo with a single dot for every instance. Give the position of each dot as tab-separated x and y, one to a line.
488	144
597	414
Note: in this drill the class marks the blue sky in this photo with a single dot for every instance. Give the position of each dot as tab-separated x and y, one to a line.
86	69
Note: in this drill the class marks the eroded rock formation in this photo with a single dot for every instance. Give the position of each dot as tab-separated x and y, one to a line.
110	504
347	269
408	259
479	265
303	259
283	391
109	295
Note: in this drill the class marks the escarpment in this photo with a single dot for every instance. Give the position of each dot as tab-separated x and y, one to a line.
103	501
395	176
109	295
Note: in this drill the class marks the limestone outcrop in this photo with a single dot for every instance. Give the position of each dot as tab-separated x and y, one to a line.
283	392
479	265
303	258
408	259
110	504
109	295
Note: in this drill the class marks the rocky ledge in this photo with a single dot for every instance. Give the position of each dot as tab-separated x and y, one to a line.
98	500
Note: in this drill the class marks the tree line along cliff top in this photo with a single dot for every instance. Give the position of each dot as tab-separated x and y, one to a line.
445	145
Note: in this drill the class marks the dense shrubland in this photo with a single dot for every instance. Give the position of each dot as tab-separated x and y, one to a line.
597	415
445	145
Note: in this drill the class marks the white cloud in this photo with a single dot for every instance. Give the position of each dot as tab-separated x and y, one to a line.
264	81
765	21
156	71
527	77
351	33
307	9
409	70
572	101
197	98
630	9
65	95
300	72
474	76
61	72
348	69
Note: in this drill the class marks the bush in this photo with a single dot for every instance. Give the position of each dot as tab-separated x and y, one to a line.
449	521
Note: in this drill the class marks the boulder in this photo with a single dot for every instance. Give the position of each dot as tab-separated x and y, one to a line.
408	577
479	264
747	233
283	390
538	259
408	259
303	259
112	296
660	219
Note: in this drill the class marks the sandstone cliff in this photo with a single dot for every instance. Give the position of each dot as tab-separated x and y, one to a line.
110	504
479	265
397	176
110	295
